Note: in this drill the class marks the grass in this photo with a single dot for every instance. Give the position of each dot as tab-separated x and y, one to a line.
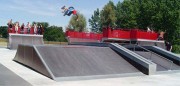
56	43
3	42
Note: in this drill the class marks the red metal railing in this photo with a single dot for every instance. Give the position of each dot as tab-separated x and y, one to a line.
139	34
117	33
84	35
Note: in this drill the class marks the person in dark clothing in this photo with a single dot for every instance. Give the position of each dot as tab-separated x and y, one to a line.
39	30
22	28
10	25
168	46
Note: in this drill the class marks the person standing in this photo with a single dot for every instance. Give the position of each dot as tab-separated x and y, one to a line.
22	28
35	28
39	30
28	27
10	25
16	27
168	46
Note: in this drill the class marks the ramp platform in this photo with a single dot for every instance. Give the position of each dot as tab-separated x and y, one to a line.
15	39
74	62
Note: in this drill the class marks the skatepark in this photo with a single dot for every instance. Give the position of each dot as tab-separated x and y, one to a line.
88	60
90	43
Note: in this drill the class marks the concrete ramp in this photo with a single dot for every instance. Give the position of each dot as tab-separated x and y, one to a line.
163	62
75	62
143	64
169	55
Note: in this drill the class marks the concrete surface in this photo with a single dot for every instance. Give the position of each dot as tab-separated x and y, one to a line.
162	63
8	78
36	79
144	65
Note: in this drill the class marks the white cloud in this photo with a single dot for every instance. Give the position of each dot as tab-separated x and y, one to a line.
38	7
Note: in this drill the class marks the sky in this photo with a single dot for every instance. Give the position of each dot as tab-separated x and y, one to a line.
49	11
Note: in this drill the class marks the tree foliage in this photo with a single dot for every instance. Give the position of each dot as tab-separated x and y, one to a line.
54	33
159	15
108	15
95	22
3	31
78	25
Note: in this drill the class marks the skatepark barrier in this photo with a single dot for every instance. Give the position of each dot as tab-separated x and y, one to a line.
15	39
169	55
144	65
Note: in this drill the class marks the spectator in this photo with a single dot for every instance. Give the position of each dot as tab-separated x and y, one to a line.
10	25
148	29
28	27
22	28
161	36
168	46
35	28
39	30
16	27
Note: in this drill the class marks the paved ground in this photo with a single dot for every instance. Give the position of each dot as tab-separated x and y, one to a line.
37	79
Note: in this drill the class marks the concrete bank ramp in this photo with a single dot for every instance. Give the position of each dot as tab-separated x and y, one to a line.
143	64
158	56
75	62
169	55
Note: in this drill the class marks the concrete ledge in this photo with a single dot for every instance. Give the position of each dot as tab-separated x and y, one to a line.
136	60
75	78
15	39
169	55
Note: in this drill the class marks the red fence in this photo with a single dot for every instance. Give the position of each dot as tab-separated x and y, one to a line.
139	34
84	35
117	33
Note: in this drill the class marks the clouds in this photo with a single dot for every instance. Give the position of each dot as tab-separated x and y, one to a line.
37	8
46	10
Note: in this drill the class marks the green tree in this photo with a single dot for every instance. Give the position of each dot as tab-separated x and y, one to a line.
54	33
78	25
126	13
108	15
95	22
3	31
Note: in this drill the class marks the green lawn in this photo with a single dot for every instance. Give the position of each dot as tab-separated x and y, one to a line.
3	42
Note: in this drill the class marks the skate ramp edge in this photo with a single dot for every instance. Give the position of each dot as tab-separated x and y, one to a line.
169	55
136	60
28	55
